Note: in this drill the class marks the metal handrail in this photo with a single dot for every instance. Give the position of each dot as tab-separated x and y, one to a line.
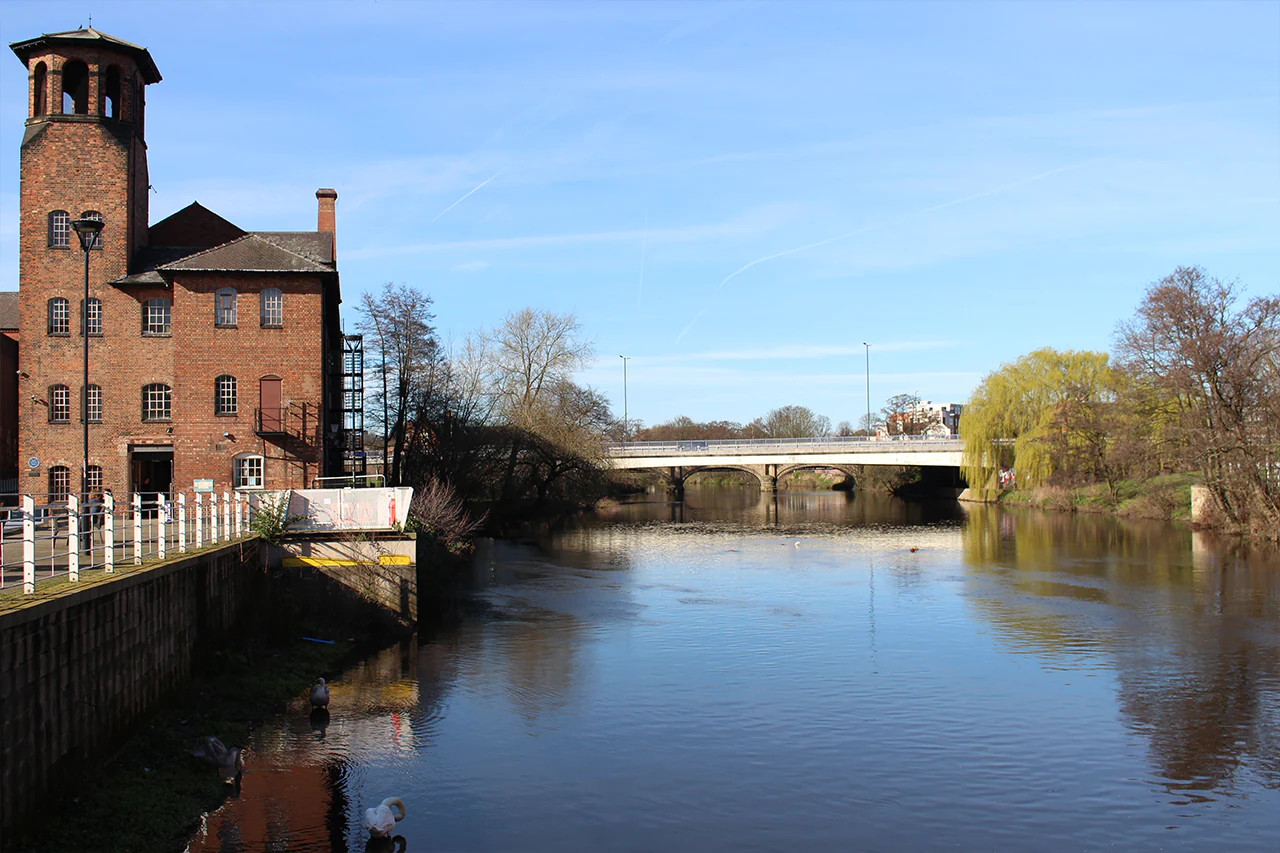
352	479
106	532
729	443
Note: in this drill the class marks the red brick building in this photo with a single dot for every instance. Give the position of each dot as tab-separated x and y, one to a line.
214	353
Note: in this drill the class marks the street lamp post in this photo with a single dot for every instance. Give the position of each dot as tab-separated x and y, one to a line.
87	230
626	418
867	346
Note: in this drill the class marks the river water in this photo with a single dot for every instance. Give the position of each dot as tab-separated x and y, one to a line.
812	672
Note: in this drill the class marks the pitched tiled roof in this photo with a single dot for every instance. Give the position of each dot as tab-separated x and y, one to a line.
313	245
90	36
9	309
252	253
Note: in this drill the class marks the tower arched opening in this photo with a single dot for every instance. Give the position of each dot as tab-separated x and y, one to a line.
40	83
75	88
111	93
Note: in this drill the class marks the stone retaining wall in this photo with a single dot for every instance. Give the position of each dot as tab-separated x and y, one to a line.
78	671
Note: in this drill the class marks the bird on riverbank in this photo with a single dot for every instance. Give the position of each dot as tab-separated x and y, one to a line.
319	694
228	762
381	820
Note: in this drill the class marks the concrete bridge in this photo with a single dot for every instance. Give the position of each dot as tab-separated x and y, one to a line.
767	459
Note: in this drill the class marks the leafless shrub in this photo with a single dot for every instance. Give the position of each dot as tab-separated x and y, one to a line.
438	511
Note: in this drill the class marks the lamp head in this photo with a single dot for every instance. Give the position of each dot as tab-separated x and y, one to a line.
87	230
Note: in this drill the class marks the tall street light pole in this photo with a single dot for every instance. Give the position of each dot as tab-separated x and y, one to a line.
868	350
626	419
87	230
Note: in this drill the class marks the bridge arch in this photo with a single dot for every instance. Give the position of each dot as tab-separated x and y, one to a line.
767	476
677	477
847	470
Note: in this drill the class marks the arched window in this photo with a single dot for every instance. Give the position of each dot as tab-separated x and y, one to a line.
224	395
224	307
75	88
248	471
93	479
59	482
272	308
93	404
59	316
97	238
59	229
41	81
157	402
59	404
155	317
111	93
91	317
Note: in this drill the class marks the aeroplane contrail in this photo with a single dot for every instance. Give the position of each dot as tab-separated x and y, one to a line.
865	228
895	219
476	187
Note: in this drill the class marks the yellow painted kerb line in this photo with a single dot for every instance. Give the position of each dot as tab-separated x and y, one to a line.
326	563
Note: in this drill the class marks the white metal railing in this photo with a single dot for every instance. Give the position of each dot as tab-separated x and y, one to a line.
43	537
833	443
350	481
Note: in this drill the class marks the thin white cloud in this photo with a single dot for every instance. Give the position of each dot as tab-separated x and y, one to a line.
471	266
748	225
882	223
790	352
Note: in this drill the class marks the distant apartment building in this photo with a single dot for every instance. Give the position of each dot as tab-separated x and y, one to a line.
215	353
928	418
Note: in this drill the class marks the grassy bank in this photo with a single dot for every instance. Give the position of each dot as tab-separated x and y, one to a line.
1167	498
149	796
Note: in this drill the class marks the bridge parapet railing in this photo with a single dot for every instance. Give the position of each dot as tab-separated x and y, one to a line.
832	442
46	537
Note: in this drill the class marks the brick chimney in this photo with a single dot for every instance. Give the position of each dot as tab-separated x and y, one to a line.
325	221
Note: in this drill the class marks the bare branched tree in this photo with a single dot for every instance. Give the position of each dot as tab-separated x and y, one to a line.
793	422
402	343
1193	344
905	414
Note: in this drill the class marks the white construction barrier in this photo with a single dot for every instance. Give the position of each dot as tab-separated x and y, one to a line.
349	509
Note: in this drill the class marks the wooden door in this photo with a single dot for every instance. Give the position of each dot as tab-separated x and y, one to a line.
272	417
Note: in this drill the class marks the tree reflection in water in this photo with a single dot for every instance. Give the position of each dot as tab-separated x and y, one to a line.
1189	626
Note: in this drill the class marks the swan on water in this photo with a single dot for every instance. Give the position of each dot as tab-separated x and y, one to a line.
380	821
319	693
228	762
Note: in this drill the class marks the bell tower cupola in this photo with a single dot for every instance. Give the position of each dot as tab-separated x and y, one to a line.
84	150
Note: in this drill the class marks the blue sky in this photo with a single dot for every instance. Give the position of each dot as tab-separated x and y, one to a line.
734	195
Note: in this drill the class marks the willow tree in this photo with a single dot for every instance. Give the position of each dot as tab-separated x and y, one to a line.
1027	414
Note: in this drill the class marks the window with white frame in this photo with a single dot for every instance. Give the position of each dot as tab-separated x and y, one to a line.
157	402
91	317
59	229
249	472
224	395
272	308
93	404
224	307
59	316
59	404
59	483
155	317
93	479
